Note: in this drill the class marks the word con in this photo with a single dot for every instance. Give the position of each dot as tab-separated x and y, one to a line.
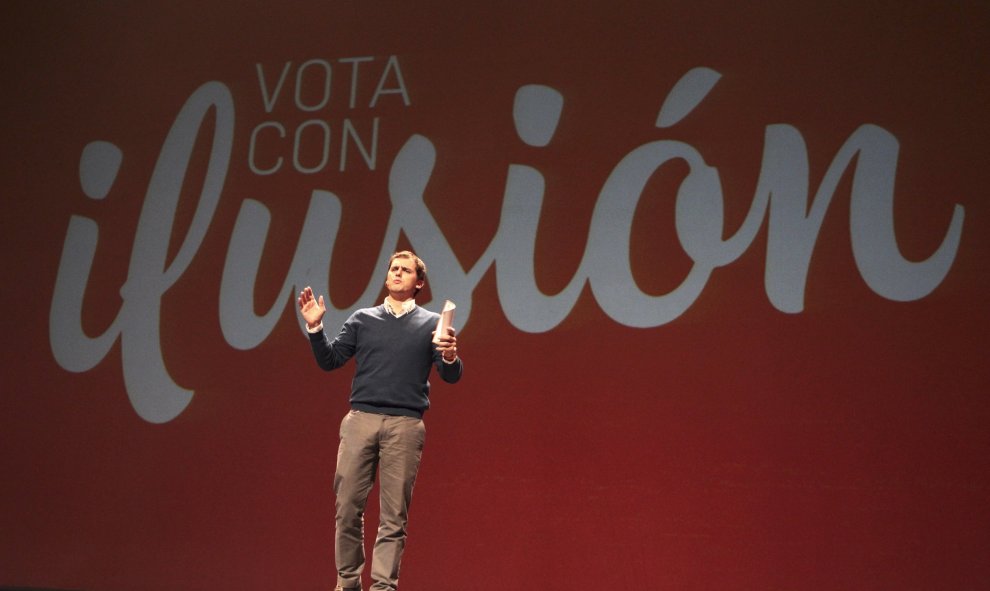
309	149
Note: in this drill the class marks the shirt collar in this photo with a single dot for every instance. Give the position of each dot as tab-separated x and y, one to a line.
407	307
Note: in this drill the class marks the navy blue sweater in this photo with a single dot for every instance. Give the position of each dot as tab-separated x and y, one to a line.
393	357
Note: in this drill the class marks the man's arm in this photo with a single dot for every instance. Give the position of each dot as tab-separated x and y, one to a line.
449	366
329	355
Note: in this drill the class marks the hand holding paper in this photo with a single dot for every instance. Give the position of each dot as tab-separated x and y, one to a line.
443	336
446	319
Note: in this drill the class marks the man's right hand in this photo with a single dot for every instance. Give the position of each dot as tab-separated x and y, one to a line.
312	310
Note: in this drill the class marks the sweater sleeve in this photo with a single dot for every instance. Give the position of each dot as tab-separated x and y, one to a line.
449	372
332	354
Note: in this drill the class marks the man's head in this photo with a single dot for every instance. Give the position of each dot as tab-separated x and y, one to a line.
406	275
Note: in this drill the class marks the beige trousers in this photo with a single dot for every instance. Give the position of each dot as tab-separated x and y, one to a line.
392	446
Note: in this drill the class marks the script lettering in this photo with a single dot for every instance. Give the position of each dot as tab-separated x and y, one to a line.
781	199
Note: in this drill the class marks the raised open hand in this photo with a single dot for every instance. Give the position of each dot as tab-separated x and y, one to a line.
312	310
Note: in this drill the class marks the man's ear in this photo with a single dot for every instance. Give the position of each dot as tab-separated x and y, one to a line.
420	284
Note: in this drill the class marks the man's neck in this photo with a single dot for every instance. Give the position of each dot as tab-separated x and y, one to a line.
398	306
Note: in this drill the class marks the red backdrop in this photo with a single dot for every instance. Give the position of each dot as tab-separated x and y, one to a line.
670	425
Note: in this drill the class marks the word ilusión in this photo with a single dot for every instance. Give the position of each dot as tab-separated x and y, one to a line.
781	199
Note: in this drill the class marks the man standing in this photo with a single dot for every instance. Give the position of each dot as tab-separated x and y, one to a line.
394	349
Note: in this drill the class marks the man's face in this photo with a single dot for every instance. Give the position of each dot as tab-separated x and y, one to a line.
402	282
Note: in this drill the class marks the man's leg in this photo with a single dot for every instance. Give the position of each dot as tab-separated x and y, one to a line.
401	451
357	458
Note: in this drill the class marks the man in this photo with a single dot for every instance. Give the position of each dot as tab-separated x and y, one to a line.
394	348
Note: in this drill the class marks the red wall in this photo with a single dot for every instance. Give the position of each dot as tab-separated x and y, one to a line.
644	405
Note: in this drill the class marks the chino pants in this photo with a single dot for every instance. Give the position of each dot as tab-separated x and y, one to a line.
392	446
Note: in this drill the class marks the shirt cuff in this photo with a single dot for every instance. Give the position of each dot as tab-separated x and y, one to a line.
451	362
314	330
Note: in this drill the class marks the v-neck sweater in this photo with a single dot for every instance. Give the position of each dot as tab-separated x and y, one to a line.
393	357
